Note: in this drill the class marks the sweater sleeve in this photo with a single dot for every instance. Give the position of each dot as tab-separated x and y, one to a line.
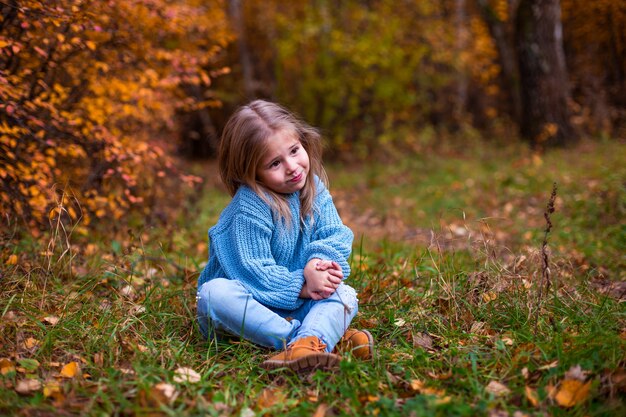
245	254
330	239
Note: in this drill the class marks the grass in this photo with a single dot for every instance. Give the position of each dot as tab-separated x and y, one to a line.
448	268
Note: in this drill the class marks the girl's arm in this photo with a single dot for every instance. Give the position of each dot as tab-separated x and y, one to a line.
243	247
330	239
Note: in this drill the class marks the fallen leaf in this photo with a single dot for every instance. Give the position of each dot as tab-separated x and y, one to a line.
572	392
269	397
577	373
12	260
31	343
186	375
423	340
6	366
417	385
498	389
51	320
399	322
441	377
320	411
247	412
70	370
27	386
164	393
549	366
51	388
531	396
98	359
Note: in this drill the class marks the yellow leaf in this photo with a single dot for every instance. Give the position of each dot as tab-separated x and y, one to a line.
12	260
70	370
31	343
50	388
531	396
572	392
417	385
6	366
91	45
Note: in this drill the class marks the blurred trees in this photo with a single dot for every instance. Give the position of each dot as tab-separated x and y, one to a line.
378	71
88	94
96	96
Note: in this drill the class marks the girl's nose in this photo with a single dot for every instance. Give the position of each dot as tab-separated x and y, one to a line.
290	165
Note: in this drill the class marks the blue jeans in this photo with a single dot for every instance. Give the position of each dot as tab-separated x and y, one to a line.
225	305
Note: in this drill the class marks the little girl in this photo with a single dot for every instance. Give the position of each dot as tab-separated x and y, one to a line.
278	253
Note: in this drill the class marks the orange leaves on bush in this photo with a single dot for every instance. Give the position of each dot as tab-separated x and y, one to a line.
85	88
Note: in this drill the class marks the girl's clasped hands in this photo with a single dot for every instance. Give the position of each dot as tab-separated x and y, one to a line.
322	277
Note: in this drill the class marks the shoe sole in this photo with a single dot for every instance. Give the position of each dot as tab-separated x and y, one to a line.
305	363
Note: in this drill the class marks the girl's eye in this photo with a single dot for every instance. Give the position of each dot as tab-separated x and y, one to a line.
274	164
295	150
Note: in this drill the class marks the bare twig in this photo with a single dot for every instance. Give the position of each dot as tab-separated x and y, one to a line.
545	260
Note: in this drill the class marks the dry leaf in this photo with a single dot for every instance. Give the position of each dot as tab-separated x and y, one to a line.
164	393
51	320
186	375
320	411
423	340
27	386
507	341
417	385
525	372
98	359
269	397
441	377
549	366
572	392
12	260
6	366
70	370
531	396
399	322
497	389
577	373
52	388
31	343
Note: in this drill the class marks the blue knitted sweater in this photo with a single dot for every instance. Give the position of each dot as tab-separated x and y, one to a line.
248	244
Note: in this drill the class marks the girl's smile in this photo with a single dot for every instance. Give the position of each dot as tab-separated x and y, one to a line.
285	166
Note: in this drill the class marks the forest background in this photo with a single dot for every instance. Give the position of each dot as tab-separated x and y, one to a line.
110	114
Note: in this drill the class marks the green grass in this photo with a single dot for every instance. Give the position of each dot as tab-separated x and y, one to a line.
447	265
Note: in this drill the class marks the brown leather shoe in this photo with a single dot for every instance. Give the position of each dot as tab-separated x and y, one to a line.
307	353
359	343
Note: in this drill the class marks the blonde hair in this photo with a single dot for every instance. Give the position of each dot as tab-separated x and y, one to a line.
243	146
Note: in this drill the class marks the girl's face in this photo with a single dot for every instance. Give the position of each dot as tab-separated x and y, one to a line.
285	166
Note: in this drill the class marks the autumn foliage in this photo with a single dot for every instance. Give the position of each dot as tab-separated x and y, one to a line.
88	94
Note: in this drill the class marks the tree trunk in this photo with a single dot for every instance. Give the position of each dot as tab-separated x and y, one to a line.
245	58
460	18
543	75
506	57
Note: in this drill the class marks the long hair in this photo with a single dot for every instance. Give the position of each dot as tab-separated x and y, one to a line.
244	143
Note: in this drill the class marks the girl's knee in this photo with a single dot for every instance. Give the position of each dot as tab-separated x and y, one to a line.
348	297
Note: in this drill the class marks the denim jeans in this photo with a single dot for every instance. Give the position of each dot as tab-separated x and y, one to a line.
226	306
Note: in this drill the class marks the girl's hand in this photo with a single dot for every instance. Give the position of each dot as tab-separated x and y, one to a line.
321	283
331	266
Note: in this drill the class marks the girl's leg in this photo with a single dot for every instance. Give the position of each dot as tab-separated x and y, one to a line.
225	304
327	319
